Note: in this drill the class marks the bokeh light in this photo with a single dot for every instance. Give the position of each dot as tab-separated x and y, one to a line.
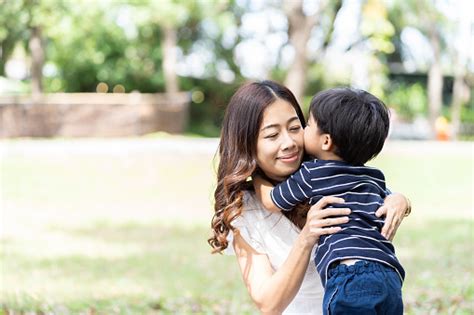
197	96
102	87
119	88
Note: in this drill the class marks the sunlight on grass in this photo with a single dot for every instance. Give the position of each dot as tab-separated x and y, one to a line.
125	233
165	266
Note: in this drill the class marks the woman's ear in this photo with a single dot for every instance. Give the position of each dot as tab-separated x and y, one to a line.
327	142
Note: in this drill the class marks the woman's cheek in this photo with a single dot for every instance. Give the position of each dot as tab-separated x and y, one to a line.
267	151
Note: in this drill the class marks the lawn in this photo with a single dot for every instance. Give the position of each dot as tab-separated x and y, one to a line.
91	229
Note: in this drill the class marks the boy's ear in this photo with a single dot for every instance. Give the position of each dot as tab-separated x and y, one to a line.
327	142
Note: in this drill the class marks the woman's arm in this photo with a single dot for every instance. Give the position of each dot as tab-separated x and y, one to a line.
396	206
272	291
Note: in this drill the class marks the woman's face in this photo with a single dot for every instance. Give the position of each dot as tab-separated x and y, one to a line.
280	141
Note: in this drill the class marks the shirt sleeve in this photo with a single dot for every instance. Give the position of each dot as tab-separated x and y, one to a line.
249	233
294	190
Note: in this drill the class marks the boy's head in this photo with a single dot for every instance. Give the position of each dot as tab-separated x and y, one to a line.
352	124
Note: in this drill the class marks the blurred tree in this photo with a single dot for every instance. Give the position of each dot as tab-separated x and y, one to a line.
376	34
409	100
208	44
426	17
300	28
171	16
89	46
13	23
461	94
459	53
25	22
201	37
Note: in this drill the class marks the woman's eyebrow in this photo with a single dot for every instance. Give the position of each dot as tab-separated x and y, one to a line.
292	119
277	125
270	126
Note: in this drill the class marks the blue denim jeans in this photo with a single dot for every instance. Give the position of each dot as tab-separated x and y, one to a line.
363	288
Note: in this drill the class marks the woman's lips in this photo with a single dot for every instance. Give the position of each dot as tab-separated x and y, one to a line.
289	158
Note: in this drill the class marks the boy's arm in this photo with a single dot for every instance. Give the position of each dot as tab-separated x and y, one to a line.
296	189
263	190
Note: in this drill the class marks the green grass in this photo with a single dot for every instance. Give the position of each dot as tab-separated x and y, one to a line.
436	185
438	256
118	235
137	269
134	269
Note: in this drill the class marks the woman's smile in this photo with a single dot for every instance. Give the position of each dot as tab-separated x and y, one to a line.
289	158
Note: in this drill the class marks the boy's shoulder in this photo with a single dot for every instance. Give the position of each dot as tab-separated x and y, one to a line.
317	168
315	163
332	166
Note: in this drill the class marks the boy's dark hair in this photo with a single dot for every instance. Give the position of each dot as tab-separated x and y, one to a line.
357	121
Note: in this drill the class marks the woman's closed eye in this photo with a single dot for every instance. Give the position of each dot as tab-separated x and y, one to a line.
295	128
271	136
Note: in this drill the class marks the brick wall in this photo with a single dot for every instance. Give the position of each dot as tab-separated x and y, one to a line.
92	114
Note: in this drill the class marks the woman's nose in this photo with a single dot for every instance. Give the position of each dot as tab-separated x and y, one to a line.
288	141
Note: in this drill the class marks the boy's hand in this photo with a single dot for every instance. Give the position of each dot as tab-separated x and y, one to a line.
263	189
394	210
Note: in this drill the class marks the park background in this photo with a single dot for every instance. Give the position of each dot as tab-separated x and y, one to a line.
119	225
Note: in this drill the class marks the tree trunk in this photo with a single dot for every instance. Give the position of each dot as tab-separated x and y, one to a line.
296	77
299	32
37	60
460	97
435	82
169	59
3	57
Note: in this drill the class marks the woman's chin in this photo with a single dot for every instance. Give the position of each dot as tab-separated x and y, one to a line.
286	169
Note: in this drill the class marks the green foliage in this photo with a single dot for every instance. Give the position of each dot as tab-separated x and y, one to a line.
18	17
376	26
115	42
467	114
14	25
206	117
409	100
90	48
119	42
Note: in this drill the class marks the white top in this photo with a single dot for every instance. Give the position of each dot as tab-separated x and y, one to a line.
273	234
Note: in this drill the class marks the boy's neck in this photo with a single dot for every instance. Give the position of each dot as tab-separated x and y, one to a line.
328	155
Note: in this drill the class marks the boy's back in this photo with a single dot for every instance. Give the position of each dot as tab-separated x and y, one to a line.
363	189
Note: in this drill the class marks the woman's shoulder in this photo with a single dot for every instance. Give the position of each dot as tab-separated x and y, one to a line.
250	223
263	229
255	215
252	210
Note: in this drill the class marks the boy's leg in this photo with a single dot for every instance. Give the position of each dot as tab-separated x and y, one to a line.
394	302
365	288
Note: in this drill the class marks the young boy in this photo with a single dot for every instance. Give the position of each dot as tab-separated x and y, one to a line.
357	265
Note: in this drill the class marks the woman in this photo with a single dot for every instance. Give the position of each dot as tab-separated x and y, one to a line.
263	133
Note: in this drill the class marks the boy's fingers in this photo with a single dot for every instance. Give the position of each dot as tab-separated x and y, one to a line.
387	229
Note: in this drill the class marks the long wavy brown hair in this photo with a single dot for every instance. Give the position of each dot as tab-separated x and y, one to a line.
237	154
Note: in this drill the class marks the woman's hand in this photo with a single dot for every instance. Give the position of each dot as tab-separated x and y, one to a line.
318	221
395	208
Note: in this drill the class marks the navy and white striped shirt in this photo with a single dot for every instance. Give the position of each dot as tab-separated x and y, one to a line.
363	189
